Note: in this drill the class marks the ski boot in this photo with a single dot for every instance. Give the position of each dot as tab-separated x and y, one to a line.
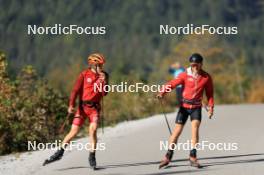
167	159
56	156
92	160
193	159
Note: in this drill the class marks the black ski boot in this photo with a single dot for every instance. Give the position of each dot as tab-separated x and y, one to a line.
167	159
193	159
92	160
56	156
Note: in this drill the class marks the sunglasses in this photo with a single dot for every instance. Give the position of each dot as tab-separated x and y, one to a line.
194	64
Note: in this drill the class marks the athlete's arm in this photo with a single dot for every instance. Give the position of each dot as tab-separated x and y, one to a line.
76	90
172	84
102	81
209	90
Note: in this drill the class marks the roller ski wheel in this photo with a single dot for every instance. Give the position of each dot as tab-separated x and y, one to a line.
92	161
194	162
55	157
167	159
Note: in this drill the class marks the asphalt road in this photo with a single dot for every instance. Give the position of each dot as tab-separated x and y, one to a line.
134	147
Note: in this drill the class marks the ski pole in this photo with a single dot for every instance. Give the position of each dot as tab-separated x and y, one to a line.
102	107
206	108
165	116
102	116
64	123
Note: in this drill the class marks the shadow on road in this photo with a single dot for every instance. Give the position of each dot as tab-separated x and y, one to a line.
204	165
176	172
80	167
234	162
180	160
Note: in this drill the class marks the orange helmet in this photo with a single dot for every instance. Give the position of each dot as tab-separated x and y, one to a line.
95	59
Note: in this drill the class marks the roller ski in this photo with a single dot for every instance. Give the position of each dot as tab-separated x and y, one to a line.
92	160
167	159
55	157
193	159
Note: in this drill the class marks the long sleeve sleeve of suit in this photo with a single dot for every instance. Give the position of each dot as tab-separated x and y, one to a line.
172	84
209	91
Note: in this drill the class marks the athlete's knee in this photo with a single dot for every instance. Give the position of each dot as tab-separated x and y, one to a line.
196	123
74	130
93	128
177	132
179	127
195	128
